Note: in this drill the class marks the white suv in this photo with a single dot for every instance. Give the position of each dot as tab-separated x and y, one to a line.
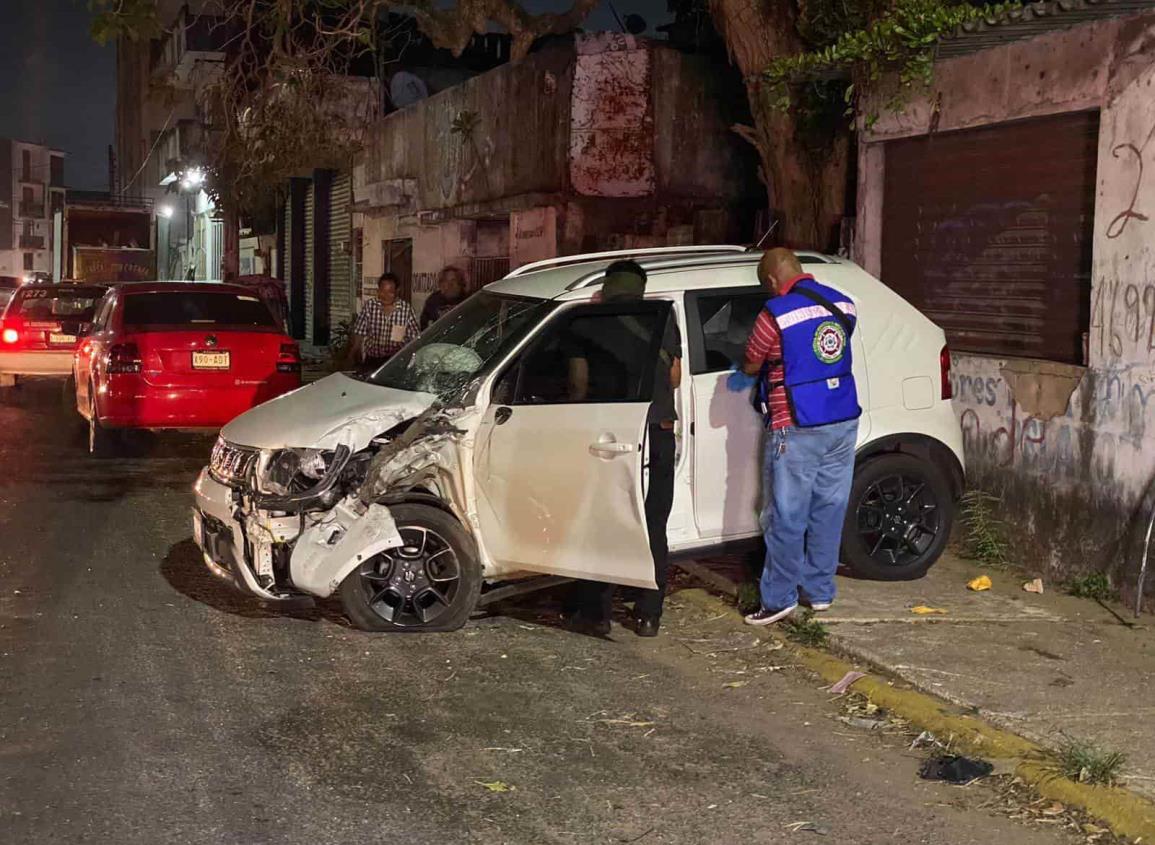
462	468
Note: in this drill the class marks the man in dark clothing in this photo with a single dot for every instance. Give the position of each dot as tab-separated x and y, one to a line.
591	602
449	294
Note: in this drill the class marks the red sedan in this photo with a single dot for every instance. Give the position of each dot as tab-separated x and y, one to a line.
179	355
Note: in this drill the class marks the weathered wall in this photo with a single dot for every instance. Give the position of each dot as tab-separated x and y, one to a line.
1071	449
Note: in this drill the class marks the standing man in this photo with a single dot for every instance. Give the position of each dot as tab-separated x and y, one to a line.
592	601
384	325
800	352
449	294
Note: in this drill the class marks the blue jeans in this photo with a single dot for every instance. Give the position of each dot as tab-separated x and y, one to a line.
806	475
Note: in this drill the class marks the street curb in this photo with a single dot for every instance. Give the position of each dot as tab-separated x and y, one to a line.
1126	813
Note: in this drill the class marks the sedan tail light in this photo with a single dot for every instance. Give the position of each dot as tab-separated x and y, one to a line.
289	358
9	335
944	371
124	358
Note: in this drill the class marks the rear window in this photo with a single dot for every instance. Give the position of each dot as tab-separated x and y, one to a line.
52	303
199	308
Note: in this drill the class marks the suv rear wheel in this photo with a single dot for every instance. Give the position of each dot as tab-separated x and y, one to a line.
431	583
899	519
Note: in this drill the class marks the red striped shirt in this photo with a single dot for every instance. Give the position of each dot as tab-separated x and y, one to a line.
765	344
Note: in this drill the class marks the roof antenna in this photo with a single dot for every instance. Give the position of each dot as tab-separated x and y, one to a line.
762	240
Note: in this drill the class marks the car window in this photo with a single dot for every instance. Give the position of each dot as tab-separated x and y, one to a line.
589	354
10	282
195	309
462	345
723	325
100	320
53	303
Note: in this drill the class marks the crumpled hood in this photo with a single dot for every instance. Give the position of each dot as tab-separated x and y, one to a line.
333	411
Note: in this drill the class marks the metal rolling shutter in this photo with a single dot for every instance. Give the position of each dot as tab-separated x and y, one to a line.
340	250
309	202
988	232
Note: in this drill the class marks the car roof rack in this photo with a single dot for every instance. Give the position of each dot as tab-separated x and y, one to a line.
707	260
563	260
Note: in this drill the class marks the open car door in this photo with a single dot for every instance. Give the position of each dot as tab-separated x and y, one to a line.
559	466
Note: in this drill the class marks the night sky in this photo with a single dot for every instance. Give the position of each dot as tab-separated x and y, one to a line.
58	87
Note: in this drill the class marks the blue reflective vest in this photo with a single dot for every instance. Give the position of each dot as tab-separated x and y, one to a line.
816	356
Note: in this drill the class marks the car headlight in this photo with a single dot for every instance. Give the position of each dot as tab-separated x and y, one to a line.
288	471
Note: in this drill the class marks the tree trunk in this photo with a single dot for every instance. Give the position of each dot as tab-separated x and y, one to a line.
805	179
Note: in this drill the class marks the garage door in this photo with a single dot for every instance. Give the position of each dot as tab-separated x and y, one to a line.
988	232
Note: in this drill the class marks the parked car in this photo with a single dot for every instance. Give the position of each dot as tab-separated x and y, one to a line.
462	464
41	328
179	355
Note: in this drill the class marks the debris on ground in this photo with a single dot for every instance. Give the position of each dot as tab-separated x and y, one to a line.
844	683
862	723
1017	800
1035	586
954	768
925	739
924	610
978	585
495	785
807	827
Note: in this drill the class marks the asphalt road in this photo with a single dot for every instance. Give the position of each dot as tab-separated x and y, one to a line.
143	702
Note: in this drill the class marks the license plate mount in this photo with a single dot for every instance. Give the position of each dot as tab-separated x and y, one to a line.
214	360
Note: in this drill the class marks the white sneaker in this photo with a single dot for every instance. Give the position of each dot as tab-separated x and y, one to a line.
819	606
767	616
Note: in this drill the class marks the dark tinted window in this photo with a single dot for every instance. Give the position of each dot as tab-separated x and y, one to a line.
52	302
195	308
614	350
10	282
726	321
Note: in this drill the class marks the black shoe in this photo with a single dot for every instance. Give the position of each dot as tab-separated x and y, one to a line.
768	616
590	627
646	626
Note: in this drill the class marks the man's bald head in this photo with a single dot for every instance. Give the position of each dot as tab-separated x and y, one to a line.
778	266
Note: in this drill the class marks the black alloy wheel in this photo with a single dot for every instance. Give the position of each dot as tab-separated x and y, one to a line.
899	518
414	584
429	583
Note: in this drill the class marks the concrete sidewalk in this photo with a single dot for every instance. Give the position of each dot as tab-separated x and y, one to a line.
1045	667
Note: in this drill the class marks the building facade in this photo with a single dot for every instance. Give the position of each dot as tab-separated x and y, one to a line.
598	141
1014	204
31	191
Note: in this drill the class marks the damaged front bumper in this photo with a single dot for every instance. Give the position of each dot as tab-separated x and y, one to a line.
278	557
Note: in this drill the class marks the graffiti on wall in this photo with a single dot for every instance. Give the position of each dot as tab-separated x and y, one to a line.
1101	439
1123	316
1134	152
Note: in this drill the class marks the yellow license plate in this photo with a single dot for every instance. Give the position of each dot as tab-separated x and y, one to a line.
210	361
61	339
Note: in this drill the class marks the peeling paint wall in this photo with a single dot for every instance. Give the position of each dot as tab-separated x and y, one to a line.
1071	449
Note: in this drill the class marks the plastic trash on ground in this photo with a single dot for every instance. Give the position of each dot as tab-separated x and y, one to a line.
983	582
954	769
923	610
1035	586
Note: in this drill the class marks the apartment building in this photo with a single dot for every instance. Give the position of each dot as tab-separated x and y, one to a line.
31	191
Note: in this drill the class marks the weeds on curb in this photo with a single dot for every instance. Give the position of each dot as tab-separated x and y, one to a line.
806	630
1084	762
1095	586
749	598
986	539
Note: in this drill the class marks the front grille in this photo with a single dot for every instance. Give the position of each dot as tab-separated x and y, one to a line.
231	464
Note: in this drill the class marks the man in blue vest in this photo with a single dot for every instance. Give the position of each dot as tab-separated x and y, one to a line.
800	352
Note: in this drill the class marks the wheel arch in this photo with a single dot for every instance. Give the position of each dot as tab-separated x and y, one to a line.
921	446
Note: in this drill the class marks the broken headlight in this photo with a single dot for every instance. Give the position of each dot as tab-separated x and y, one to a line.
288	471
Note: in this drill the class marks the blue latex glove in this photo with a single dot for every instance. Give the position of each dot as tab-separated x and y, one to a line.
738	381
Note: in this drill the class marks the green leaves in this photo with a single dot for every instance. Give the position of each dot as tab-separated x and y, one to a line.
132	19
901	40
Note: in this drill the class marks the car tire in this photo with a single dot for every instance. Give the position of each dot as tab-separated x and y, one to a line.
430	584
102	442
899	518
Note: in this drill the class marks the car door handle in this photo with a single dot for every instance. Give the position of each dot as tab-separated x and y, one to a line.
502	415
608	447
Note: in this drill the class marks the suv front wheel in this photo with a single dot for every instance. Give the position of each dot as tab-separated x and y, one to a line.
899	518
430	583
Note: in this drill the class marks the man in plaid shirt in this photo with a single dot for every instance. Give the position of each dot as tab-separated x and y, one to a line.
384	325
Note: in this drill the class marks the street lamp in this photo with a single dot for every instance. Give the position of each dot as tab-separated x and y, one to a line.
193	178
164	211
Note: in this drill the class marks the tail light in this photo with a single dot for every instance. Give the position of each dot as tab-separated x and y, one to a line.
9	335
944	370
124	358
289	358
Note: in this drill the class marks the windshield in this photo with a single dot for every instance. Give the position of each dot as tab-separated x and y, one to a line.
461	345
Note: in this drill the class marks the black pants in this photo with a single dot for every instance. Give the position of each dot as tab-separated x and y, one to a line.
592	599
